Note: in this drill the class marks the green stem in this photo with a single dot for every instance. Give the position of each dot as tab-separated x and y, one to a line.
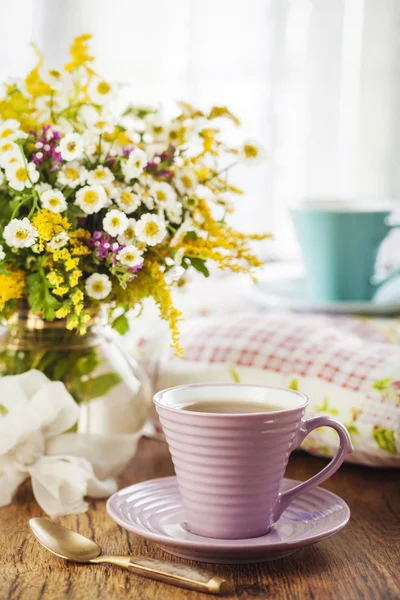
35	196
72	106
16	209
37	359
219	173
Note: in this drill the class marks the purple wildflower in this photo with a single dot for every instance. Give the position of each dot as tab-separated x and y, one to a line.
46	147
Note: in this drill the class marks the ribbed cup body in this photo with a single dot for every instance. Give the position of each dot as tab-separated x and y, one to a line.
229	467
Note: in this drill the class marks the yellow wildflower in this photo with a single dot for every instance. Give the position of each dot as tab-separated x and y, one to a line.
222	111
74	277
61	254
54	278
208	136
77	297
60	291
49	224
151	283
71	263
63	311
80	250
72	322
79	51
33	82
11	286
202	173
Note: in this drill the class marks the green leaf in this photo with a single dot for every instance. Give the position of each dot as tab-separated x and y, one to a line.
382	384
39	297
200	265
235	375
352	429
192	235
100	385
121	324
86	364
3	410
385	439
294	385
73	212
324	407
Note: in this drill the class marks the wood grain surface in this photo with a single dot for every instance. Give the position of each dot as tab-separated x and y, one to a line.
360	562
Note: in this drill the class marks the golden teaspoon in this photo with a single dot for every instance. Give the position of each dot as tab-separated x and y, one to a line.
72	546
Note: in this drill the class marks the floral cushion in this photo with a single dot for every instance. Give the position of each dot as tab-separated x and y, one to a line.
349	367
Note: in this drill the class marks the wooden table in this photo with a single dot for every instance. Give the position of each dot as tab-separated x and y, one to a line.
362	561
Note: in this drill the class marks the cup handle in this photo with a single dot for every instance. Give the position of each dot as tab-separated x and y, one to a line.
345	447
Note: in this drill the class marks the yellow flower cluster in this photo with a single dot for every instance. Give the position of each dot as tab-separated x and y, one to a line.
11	286
49	225
151	283
238	257
64	263
79	51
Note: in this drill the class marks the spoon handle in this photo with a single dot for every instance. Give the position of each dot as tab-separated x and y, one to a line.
169	572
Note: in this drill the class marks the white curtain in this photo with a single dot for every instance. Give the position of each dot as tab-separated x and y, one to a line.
317	81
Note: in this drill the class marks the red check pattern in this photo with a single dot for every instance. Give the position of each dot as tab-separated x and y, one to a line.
289	344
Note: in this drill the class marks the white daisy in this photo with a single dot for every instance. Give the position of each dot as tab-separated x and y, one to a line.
53	200
9	130
96	122
100	175
98	286
115	222
251	153
186	226
21	176
91	143
12	159
71	146
20	233
150	229
58	80
128	236
163	193
91	199
186	181
46	105
130	256
2	253
100	91
42	187
109	190
156	127
144	193
59	241
174	213
72	175
134	165
127	200
8	149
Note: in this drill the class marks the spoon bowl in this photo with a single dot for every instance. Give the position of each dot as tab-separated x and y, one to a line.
64	542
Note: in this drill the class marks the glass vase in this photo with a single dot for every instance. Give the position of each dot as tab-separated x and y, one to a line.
113	391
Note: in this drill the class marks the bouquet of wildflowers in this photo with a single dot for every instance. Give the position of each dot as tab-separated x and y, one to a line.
104	209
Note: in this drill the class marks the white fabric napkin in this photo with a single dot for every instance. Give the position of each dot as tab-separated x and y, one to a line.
64	467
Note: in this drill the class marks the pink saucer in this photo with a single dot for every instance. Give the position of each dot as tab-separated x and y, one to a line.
153	510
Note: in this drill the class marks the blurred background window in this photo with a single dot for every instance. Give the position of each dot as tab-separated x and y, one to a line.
317	81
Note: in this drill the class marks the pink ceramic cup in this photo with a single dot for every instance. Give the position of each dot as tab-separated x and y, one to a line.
229	467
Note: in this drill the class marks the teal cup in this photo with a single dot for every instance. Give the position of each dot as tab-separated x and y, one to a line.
339	242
